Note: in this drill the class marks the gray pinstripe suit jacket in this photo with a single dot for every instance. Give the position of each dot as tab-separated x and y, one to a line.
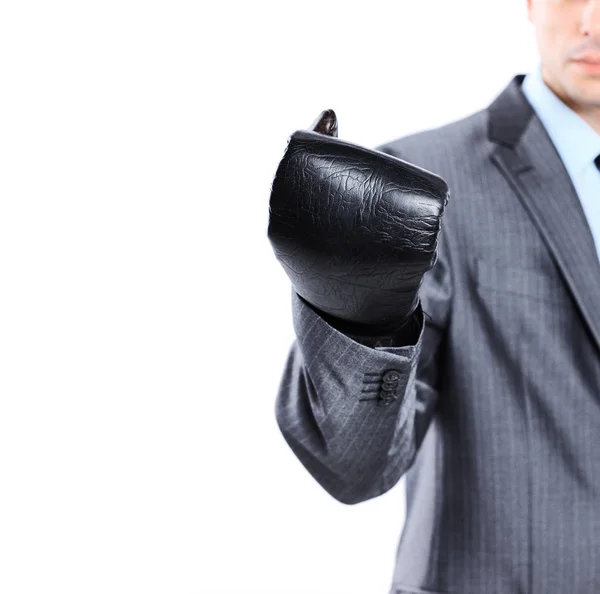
497	419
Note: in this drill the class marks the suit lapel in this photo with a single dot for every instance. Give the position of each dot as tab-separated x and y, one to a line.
527	158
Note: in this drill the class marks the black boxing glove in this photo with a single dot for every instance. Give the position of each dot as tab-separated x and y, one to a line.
354	228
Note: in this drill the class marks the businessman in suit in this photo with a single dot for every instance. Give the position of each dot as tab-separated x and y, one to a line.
446	303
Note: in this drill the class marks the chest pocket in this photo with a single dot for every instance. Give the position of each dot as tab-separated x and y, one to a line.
537	284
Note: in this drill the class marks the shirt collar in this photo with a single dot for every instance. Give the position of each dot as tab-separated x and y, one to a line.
577	143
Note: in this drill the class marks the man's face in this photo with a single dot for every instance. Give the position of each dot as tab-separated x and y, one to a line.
568	31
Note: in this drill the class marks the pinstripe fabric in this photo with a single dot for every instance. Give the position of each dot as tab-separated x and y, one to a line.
498	423
575	140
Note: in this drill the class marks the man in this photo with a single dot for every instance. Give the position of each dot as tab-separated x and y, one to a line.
483	386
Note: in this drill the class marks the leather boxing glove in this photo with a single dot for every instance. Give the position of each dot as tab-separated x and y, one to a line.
354	228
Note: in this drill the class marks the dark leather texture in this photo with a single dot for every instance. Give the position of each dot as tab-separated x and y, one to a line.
354	228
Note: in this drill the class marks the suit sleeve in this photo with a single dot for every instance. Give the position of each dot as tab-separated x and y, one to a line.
355	415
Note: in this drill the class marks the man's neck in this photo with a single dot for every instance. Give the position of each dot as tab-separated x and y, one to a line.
589	113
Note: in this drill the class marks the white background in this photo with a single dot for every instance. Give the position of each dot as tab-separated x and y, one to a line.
144	320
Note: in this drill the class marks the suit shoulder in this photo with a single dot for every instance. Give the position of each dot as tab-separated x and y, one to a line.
439	144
